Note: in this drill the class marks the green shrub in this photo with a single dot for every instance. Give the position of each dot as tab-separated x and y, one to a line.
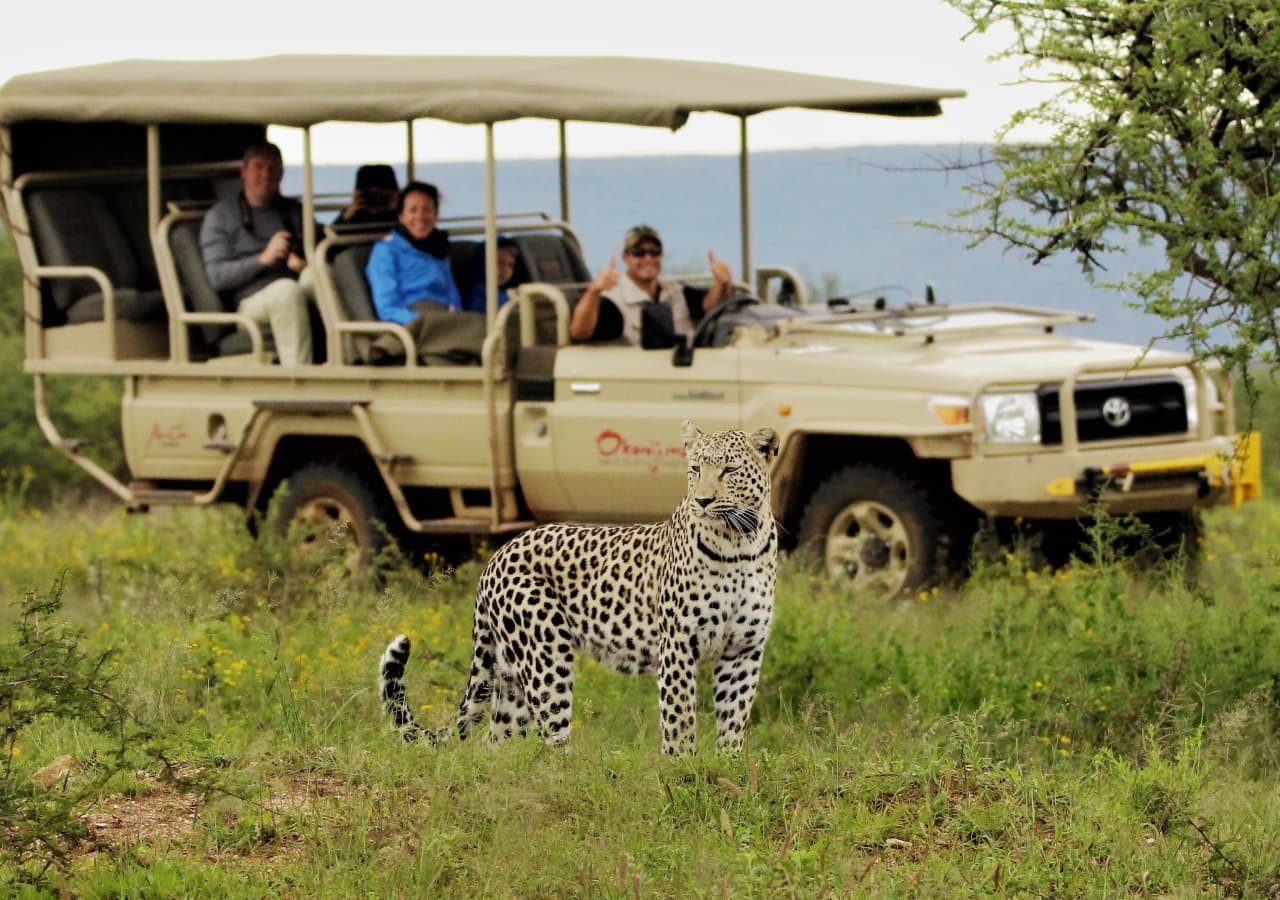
46	673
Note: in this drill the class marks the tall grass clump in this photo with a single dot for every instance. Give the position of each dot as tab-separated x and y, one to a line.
1095	654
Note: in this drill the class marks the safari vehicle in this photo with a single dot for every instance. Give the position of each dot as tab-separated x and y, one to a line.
897	426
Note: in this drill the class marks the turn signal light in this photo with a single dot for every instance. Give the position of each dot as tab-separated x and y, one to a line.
950	411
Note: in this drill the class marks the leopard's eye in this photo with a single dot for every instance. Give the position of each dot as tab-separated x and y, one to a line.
695	470
729	470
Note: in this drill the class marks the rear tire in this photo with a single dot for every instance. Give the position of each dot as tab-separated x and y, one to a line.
335	511
874	528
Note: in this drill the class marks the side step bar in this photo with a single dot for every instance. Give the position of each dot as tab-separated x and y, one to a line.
455	525
162	496
138	497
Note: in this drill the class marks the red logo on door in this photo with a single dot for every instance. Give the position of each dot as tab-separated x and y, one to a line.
167	436
612	445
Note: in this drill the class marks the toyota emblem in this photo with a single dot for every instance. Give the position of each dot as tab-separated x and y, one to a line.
1117	412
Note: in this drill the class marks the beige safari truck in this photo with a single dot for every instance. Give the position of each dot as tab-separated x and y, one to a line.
898	426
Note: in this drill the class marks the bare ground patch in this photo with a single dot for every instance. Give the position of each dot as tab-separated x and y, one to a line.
171	813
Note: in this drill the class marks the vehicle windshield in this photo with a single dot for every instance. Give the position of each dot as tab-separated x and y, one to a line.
938	319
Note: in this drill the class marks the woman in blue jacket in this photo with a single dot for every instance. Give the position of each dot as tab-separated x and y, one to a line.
412	283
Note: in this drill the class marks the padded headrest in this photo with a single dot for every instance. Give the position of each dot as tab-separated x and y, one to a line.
553	258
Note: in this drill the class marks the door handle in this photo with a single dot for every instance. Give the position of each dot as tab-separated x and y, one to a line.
585	387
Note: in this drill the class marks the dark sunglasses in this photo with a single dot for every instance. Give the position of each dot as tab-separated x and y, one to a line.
646	251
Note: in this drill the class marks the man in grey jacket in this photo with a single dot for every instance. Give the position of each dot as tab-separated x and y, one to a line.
252	249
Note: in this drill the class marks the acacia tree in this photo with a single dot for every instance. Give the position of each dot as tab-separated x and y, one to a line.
1166	127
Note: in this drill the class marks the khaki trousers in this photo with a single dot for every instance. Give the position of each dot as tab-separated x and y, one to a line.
283	305
441	336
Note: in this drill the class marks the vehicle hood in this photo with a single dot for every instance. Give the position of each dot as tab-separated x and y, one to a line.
960	364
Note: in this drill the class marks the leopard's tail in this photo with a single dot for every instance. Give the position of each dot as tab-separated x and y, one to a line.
471	711
391	689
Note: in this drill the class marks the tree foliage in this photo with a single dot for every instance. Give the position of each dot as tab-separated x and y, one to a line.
1166	127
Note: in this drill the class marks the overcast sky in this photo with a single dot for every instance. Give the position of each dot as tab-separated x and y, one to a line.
907	41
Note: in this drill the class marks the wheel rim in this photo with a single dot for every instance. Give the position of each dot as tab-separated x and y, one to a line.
327	527
867	546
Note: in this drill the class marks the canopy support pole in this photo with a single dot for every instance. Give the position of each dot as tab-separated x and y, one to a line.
153	221
153	179
308	197
6	159
409	167
564	171
490	232
744	194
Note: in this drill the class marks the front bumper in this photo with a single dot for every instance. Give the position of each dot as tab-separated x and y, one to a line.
1149	478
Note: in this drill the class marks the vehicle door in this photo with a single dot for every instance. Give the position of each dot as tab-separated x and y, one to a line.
615	425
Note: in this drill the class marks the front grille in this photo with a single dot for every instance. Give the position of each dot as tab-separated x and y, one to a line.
1156	405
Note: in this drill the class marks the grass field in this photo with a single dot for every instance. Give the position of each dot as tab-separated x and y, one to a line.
1090	732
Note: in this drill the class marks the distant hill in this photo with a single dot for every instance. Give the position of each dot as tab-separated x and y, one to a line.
844	213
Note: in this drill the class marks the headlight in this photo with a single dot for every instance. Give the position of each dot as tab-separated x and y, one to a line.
1191	390
1011	418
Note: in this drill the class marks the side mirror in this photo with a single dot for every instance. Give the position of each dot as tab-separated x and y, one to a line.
781	285
787	293
657	327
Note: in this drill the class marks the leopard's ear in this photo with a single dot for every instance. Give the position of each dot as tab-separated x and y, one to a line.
690	433
765	440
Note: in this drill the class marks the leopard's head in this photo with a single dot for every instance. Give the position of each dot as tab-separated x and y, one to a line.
728	475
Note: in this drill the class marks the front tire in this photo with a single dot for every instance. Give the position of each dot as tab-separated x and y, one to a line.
874	528
336	511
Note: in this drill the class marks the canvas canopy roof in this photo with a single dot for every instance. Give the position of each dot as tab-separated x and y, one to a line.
306	90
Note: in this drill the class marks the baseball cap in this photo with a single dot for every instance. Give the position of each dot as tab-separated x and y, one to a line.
378	176
640	233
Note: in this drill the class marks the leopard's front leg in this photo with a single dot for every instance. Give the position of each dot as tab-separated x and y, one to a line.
736	678
677	694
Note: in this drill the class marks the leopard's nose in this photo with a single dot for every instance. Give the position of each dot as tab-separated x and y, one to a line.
704	502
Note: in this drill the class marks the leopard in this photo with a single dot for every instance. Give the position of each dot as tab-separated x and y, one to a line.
658	599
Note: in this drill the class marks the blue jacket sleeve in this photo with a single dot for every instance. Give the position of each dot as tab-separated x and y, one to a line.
381	272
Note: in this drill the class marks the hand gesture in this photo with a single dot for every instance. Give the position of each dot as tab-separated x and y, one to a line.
277	248
607	280
720	270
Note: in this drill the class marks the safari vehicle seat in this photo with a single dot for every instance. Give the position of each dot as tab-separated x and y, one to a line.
347	266
553	257
354	299
128	202
74	226
466	261
199	296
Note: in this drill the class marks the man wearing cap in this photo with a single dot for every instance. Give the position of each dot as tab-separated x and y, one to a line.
612	305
